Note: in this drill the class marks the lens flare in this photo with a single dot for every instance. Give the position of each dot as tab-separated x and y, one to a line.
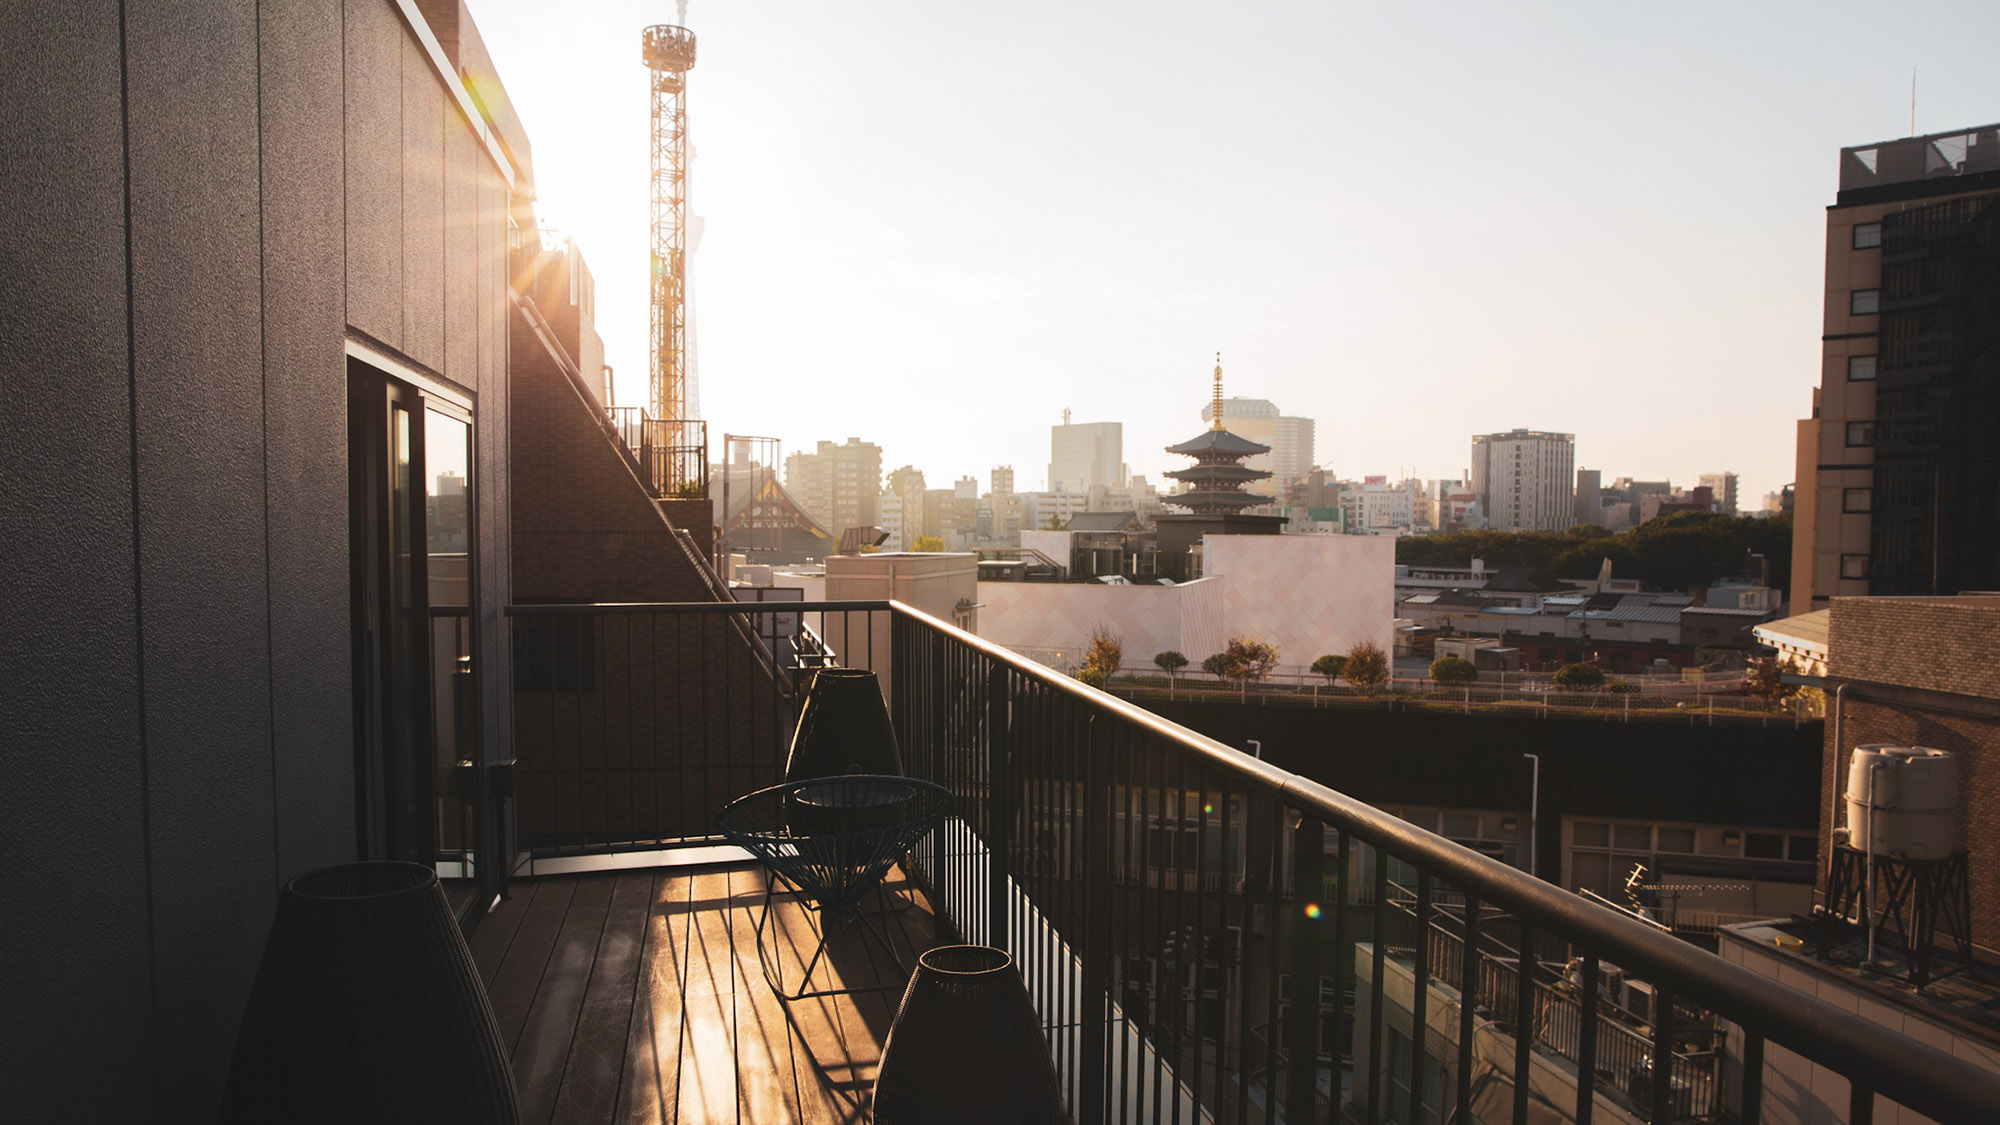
1313	911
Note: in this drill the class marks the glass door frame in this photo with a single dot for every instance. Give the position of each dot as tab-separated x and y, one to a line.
376	377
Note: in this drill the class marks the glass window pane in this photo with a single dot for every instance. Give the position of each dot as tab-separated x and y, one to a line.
1591	834
1676	839
1857	499
1763	845
1865	302
1591	871
1637	836
1805	849
1860	368
1867	236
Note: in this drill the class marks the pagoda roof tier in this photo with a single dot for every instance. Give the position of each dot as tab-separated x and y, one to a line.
1210	502
1218	441
1224	473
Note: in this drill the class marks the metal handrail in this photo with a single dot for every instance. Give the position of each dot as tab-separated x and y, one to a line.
1898	1067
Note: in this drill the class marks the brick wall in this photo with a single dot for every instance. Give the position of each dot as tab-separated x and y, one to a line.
660	719
585	529
1945	646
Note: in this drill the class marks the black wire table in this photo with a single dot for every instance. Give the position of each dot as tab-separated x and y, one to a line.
833	839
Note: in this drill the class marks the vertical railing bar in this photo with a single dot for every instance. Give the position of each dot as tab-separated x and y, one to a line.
1095	985
1244	932
1186	941
684	762
1201	937
1378	962
1156	783
1420	1021
1468	1003
1860	1103
1524	1019
1273	994
1343	956
631	744
1132	897
653	723
576	711
1661	1095
1586	1042
1308	871
1752	1110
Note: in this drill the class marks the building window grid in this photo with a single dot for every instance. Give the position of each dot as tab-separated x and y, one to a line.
1864	302
1867	236
1860	368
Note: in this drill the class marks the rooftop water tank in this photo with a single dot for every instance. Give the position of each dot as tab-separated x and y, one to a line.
1914	792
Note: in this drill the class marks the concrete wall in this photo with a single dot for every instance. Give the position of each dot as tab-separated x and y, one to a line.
1307	594
178	282
1053	622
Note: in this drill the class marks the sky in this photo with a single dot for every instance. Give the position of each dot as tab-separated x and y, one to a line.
936	225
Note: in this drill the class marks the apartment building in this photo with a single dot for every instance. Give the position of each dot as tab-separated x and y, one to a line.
1898	476
1526	479
839	485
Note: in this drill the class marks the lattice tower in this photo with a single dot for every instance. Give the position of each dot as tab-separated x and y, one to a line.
669	55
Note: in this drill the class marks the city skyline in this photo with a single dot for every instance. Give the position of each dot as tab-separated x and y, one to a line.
1412	226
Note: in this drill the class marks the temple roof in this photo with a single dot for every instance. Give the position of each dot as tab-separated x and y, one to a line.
1218	441
1218	473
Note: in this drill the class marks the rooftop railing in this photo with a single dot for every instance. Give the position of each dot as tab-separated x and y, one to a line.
1206	937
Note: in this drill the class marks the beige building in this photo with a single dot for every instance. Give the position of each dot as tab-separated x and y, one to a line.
1882	500
1526	479
1290	439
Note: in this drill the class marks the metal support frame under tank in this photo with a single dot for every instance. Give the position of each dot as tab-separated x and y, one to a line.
1917	899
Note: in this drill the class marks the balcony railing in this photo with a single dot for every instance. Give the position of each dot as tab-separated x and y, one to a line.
672	452
1148	882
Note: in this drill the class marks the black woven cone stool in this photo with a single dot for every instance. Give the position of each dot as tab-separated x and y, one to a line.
967	1046
843	728
367	1007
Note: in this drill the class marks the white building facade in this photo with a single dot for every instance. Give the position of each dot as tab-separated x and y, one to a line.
1525	479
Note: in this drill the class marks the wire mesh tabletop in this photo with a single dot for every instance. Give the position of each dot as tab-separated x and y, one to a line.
833	839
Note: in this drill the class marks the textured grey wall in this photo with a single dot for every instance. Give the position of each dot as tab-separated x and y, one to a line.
203	198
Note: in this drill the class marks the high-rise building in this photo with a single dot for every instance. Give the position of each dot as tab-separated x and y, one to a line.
839	485
1526	479
1084	454
1003	480
1291	441
1898	486
1722	486
1589	507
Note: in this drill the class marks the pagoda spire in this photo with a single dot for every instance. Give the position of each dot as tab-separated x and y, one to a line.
1215	414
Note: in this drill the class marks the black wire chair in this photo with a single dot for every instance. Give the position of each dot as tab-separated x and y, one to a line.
833	839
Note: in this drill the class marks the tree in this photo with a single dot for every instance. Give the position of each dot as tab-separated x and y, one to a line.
1247	658
1105	654
1764	679
929	544
1367	666
1579	677
1216	665
1169	662
1454	670
1329	665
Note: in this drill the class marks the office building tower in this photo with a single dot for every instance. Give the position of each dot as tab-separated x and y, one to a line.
1084	454
1526	479
1898	486
1722	486
1291	440
838	485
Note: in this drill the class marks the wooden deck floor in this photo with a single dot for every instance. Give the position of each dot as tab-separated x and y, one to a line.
637	997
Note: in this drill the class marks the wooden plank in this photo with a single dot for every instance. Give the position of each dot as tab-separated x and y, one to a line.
496	932
649	1091
707	1047
542	1053
597	1056
768	1086
520	974
836	1056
